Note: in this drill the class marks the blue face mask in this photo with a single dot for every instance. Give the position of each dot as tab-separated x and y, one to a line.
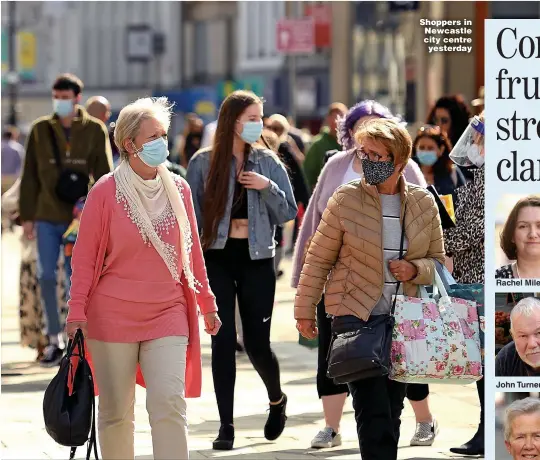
63	107
252	131
427	157
154	153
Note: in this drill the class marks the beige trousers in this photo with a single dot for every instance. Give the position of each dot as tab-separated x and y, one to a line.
163	364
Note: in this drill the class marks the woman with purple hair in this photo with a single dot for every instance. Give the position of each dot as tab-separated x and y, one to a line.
341	168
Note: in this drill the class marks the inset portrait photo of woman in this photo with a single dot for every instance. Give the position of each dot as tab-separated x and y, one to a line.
517	228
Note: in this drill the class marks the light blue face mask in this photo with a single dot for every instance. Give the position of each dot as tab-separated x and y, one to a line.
252	131
427	157
154	153
63	107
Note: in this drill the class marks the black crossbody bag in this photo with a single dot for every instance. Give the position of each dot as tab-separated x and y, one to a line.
71	184
361	349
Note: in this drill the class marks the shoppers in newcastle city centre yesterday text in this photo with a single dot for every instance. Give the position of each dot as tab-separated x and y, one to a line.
138	276
340	169
521	357
83	146
522	428
241	193
357	243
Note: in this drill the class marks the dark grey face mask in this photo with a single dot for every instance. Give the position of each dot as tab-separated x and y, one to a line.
377	172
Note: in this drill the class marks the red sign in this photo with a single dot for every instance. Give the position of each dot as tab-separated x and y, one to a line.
295	36
322	14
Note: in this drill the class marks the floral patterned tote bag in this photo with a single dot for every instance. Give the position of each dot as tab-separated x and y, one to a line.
436	340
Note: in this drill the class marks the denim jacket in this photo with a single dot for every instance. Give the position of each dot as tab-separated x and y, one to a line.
267	208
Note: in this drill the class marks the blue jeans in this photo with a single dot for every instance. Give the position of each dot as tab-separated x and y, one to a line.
49	242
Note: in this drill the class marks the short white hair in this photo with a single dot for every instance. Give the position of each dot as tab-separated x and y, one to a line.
526	307
520	407
132	115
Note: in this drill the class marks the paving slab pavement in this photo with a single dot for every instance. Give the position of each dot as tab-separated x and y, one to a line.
23	435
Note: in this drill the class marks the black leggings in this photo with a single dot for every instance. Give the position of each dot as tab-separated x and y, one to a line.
233	274
325	385
417	391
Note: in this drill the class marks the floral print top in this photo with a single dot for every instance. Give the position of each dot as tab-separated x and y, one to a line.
465	242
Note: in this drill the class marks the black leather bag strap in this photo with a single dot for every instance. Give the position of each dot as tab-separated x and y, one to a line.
56	151
401	244
92	440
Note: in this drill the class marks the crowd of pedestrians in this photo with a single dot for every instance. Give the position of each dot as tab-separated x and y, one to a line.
206	223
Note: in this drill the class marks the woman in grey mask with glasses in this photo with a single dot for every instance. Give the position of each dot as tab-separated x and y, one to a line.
358	243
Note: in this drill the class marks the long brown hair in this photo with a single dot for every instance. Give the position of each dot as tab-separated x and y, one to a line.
216	189
270	140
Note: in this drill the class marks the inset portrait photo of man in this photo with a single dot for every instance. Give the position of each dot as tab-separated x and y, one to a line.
517	337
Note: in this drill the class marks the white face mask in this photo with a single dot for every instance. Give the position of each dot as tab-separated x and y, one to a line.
473	152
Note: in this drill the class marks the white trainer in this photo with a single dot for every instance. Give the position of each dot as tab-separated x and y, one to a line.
425	433
326	438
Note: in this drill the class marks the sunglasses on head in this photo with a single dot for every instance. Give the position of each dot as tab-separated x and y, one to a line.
429	129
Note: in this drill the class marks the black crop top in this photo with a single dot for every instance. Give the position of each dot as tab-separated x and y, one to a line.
240	207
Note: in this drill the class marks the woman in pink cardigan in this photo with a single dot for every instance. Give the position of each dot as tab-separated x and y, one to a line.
138	276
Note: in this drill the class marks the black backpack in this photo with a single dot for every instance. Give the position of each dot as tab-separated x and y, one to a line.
70	419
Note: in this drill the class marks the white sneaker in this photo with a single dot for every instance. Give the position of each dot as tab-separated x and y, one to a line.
326	438
425	433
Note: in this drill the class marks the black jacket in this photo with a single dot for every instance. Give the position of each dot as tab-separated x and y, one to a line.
296	175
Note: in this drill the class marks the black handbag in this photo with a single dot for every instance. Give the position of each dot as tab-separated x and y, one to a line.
71	184
361	349
70	419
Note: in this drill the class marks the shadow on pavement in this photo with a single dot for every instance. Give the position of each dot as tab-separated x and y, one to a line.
250	421
23	368
286	453
26	387
293	453
306	381
12	343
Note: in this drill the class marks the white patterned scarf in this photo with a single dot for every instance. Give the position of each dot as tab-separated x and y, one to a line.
146	203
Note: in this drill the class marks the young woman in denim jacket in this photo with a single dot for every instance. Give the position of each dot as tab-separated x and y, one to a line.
241	192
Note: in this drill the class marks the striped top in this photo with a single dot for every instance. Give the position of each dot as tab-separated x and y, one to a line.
391	210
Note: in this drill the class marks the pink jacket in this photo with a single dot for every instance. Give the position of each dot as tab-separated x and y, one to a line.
89	255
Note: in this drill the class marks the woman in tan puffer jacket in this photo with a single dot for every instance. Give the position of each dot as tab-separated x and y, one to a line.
353	257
